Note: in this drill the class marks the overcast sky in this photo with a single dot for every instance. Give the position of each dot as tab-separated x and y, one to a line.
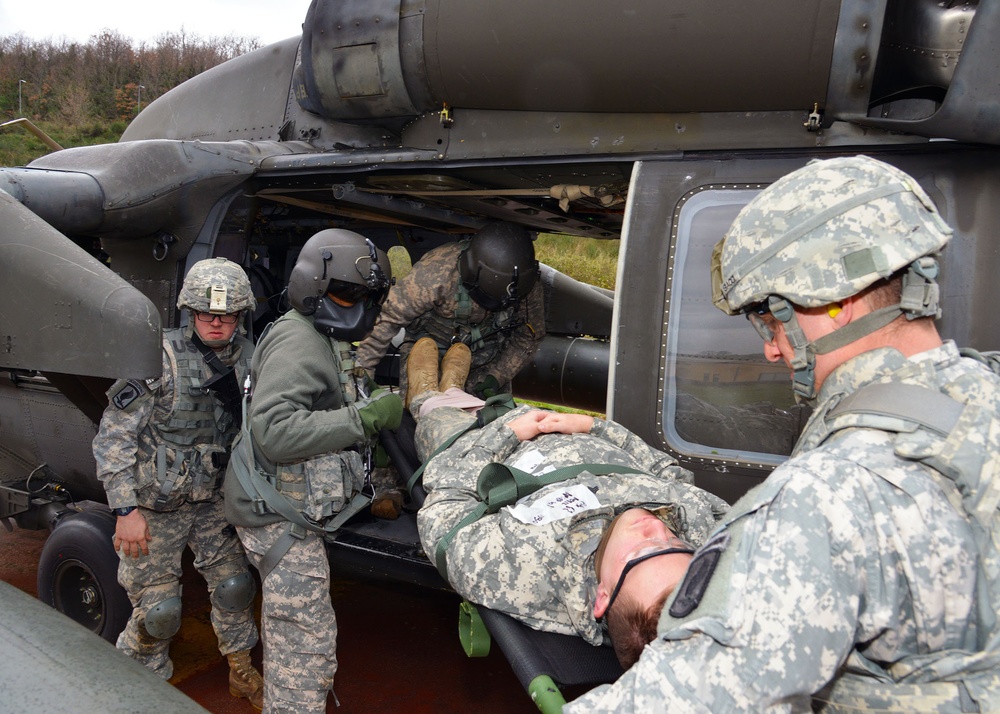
267	20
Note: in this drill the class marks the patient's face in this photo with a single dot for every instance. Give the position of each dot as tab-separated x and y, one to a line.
635	534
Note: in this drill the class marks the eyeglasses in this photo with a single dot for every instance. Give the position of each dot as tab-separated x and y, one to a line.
650	548
227	319
755	314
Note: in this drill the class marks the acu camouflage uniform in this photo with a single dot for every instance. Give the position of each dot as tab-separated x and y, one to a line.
854	574
304	422
154	449
431	301
544	574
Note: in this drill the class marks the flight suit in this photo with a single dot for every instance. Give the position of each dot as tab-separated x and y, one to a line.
303	426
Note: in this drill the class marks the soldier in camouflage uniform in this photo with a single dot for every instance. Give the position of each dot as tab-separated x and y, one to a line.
310	420
535	560
160	451
483	292
863	575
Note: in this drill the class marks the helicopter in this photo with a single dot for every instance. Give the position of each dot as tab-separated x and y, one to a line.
417	123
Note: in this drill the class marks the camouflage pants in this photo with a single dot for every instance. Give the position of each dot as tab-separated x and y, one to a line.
154	578
297	622
437	426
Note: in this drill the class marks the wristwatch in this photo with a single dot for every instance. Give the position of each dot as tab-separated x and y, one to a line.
123	511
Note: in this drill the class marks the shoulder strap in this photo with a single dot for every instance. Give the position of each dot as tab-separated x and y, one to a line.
494	408
262	491
223	381
896	407
500	485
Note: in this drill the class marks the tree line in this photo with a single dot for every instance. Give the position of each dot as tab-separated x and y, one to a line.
106	80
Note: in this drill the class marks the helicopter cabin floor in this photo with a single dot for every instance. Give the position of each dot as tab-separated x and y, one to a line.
398	647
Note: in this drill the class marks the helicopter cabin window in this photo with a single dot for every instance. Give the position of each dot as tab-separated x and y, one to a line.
722	398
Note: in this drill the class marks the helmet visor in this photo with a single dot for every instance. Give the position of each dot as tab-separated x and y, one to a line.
345	293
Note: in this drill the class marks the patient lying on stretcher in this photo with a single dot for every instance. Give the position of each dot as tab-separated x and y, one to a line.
608	539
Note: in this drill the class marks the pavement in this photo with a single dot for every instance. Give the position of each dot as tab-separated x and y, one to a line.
398	647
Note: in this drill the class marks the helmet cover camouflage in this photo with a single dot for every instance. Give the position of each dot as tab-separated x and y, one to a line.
825	232
218	286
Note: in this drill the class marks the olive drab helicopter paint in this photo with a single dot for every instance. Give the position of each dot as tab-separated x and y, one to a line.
417	123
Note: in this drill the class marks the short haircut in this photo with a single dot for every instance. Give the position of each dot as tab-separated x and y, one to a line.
885	292
631	627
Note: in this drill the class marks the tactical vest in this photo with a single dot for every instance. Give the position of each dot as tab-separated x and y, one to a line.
964	459
316	494
175	453
486	339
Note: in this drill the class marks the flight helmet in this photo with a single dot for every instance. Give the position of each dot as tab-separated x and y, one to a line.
498	267
823	233
342	280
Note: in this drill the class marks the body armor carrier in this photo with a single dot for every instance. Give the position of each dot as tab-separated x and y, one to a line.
180	456
969	471
486	339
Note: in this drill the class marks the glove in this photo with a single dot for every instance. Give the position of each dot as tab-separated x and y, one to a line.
487	388
381	456
383	410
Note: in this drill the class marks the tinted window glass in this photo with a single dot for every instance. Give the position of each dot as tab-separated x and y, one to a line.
722	398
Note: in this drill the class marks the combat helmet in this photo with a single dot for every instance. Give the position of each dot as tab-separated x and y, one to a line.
498	268
342	280
821	234
218	286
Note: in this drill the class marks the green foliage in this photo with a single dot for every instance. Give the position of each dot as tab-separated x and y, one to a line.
89	92
18	146
589	260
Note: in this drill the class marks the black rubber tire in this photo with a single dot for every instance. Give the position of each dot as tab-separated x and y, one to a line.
78	573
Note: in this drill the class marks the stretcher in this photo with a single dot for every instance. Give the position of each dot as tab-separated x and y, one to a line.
545	663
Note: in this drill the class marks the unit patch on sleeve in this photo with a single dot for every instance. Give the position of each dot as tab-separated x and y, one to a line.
128	394
699	574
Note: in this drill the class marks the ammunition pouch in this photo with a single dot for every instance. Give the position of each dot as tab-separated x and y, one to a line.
319	487
173	477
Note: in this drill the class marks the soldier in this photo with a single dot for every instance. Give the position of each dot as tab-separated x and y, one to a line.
863	575
297	470
482	292
535	560
160	450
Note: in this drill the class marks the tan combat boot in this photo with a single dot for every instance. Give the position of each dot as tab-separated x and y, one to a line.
421	368
455	367
245	680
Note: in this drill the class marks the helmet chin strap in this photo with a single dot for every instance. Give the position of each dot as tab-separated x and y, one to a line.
804	352
919	299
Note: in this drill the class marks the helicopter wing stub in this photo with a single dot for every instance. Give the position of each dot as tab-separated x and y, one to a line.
64	311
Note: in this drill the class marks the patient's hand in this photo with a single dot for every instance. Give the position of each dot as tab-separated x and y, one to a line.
526	425
531	424
555	422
